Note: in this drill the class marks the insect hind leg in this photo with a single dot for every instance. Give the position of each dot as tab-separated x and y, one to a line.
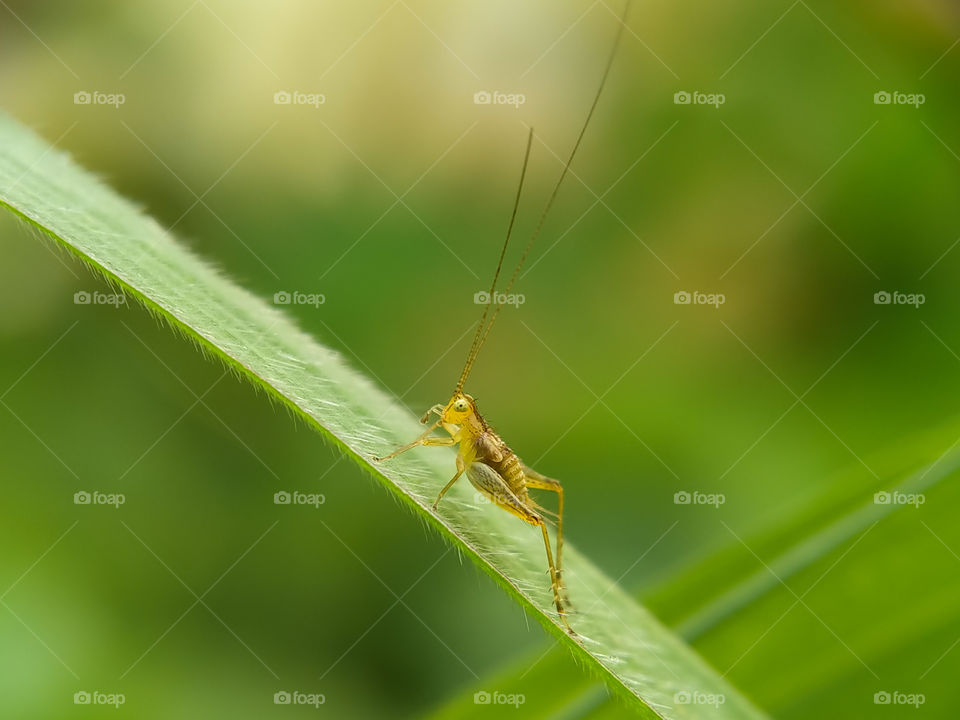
488	481
536	481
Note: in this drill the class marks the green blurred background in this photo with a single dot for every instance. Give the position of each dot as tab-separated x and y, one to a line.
305	198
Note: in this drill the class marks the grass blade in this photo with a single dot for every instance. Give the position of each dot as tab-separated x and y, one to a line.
861	561
621	641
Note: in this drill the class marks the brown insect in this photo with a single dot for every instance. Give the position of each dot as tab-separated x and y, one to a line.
489	463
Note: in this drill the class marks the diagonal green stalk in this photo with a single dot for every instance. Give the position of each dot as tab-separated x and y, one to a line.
727	589
620	641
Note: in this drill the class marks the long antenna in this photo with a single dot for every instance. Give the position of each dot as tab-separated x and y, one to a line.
480	339
475	346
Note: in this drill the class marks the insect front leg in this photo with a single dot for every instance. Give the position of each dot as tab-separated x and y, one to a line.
424	439
438	409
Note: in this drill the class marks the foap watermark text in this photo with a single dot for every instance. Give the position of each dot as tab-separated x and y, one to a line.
899	498
483	697
682	297
684	497
499	298
295	97
299	498
895	97
85	297
284	297
495	97
295	697
696	97
99	98
696	697
96	697
895	697
82	497
899	298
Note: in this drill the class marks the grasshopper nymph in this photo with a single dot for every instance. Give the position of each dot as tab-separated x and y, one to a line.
490	465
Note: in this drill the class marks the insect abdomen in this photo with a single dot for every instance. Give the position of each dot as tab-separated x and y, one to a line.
493	451
511	470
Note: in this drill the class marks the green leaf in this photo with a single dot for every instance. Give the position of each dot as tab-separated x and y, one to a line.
619	640
859	627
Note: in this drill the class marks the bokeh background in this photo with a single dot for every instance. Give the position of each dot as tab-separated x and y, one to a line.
798	198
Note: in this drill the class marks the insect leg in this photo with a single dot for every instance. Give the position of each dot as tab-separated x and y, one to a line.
424	439
438	408
556	584
460	468
491	483
541	482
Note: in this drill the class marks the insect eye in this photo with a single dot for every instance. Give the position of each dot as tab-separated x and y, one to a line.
460	405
